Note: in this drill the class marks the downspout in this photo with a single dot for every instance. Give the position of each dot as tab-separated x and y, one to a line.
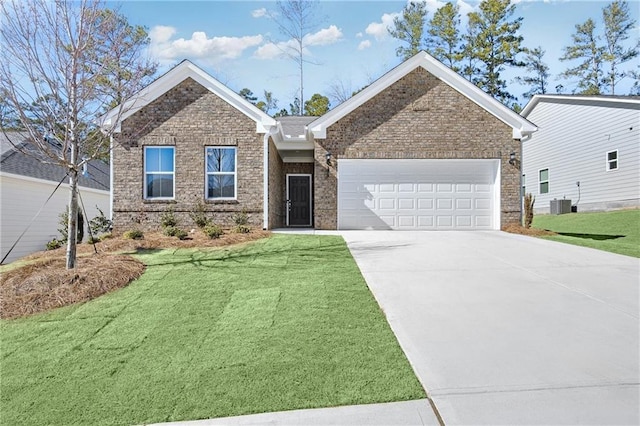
111	178
265	169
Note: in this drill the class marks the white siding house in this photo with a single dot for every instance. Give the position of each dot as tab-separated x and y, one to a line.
587	149
25	185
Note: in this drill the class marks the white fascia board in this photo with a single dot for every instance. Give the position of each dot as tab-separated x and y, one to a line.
576	99
176	76
440	71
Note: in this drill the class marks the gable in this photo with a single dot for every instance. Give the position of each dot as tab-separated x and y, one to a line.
173	78
520	126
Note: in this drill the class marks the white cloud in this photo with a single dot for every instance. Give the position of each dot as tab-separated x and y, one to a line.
199	46
259	13
364	44
324	37
432	6
359	35
379	29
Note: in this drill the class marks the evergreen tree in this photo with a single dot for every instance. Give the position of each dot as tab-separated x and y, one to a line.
248	95
409	28
538	79
317	105
443	41
586	49
470	69
497	45
617	26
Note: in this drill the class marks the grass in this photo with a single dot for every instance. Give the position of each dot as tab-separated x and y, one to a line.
283	323
615	231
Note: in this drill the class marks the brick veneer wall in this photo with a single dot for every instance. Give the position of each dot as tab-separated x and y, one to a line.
417	117
276	185
190	118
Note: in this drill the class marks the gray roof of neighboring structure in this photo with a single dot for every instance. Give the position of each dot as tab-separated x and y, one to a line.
294	125
15	162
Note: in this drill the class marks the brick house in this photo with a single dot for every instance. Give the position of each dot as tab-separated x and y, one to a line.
420	148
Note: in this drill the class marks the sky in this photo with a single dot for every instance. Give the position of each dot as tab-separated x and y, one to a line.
237	42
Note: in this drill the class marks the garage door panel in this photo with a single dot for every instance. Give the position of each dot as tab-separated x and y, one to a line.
417	194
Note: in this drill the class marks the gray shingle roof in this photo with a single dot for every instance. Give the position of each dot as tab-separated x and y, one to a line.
15	162
293	125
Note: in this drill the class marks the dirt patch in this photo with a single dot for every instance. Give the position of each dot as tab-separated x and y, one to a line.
44	283
534	232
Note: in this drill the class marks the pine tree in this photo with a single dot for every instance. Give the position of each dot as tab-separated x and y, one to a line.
497	45
538	79
617	26
585	48
409	28
443	41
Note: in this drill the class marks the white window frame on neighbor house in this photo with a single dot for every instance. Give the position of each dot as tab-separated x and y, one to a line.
234	173
610	162
540	181
171	173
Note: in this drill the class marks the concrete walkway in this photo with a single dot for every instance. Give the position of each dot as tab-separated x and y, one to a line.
507	329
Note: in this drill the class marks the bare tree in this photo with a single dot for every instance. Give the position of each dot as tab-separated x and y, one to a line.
296	19
62	64
340	90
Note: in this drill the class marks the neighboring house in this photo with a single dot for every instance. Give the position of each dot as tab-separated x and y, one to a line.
420	148
26	184
587	149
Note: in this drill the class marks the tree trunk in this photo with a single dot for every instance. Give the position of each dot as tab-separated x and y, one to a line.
72	228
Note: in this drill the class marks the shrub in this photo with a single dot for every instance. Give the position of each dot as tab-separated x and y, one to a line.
93	239
133	234
168	218
529	201
170	231
181	234
54	244
64	223
242	229
100	223
199	215
212	231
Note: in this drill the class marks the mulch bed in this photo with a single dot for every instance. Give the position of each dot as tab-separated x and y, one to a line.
534	232
44	283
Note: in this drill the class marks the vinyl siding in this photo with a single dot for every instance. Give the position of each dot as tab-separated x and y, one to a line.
572	142
20	200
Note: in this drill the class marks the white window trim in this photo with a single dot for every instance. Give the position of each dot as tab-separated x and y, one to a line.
540	182
608	162
235	174
173	173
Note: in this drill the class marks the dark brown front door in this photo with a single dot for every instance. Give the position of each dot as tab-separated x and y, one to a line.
299	200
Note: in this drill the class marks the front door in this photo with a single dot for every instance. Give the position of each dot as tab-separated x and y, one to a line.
298	200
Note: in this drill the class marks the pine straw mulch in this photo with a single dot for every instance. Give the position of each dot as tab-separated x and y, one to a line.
533	232
43	282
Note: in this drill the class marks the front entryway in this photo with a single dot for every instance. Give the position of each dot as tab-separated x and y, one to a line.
298	200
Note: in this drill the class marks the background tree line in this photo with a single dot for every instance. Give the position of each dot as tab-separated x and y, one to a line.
490	43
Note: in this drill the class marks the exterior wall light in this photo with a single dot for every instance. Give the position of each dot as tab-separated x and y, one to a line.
327	156
512	158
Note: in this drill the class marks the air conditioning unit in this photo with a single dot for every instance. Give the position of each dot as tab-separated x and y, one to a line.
560	206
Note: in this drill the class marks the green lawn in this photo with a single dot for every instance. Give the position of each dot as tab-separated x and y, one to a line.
282	323
616	231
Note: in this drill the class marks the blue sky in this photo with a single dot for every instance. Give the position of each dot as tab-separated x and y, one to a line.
235	40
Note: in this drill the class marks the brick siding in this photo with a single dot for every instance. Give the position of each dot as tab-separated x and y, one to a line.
420	117
190	118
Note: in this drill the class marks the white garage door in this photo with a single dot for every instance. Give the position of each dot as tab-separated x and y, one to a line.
418	194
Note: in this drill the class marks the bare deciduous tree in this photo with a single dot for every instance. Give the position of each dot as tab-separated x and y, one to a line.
62	65
296	19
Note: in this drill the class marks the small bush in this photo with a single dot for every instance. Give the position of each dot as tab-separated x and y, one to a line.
54	244
529	201
242	229
93	240
213	231
133	234
64	223
170	231
106	236
100	223
241	218
199	215
181	234
168	218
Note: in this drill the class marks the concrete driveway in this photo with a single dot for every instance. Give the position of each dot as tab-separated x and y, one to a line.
507	329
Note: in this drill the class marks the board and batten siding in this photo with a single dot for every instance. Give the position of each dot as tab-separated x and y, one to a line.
21	198
572	141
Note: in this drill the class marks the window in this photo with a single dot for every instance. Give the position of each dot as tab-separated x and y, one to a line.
524	184
221	173
612	160
544	181
159	169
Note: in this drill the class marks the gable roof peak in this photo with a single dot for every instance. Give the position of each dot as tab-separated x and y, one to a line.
521	127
